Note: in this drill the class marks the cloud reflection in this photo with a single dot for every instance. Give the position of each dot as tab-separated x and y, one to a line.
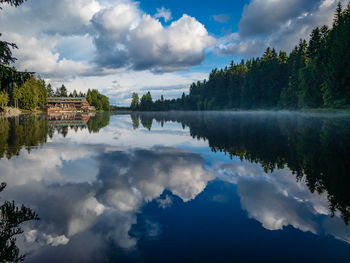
277	200
125	180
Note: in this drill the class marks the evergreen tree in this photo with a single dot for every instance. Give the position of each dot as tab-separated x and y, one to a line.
49	90
336	87
75	94
146	102
135	102
63	91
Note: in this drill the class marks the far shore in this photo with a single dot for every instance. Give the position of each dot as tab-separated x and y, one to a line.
9	112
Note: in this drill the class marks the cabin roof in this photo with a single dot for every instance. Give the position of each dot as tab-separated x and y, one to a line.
66	99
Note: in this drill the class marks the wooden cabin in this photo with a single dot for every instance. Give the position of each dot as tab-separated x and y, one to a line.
68	104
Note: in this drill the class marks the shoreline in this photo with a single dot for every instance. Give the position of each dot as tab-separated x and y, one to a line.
9	112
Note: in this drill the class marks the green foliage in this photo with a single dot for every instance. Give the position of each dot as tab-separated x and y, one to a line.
96	123
6	53
98	100
30	131
135	102
75	94
63	91
31	94
49	91
336	86
146	102
4	99
12	2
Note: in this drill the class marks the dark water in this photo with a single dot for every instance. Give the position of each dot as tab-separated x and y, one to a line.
180	187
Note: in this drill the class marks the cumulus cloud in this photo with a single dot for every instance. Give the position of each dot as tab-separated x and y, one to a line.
142	42
66	39
276	23
265	16
34	236
277	200
163	13
39	56
110	199
62	17
143	175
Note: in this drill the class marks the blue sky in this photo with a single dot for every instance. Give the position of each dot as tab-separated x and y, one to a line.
203	11
125	46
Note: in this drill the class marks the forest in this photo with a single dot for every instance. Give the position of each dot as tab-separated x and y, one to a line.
316	74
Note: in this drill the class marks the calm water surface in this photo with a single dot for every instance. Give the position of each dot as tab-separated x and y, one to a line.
180	187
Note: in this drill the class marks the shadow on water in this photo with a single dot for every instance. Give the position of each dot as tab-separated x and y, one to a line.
314	147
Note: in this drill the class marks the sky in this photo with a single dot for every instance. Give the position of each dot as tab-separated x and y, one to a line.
162	46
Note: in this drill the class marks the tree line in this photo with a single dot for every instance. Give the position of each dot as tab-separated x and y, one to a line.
315	74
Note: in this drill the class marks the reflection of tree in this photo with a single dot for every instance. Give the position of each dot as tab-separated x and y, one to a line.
96	123
316	149
28	131
4	134
135	121
11	218
146	121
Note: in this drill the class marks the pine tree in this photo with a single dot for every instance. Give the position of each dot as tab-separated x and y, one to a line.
336	87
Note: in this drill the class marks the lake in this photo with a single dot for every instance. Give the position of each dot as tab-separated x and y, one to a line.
180	186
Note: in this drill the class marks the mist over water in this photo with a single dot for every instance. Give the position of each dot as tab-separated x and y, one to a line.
181	186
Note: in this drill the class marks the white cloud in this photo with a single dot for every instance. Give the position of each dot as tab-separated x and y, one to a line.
233	45
278	200
163	13
73	42
142	42
276	23
265	16
62	17
45	239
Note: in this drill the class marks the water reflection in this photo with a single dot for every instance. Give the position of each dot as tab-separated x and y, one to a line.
11	219
130	188
313	147
30	131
